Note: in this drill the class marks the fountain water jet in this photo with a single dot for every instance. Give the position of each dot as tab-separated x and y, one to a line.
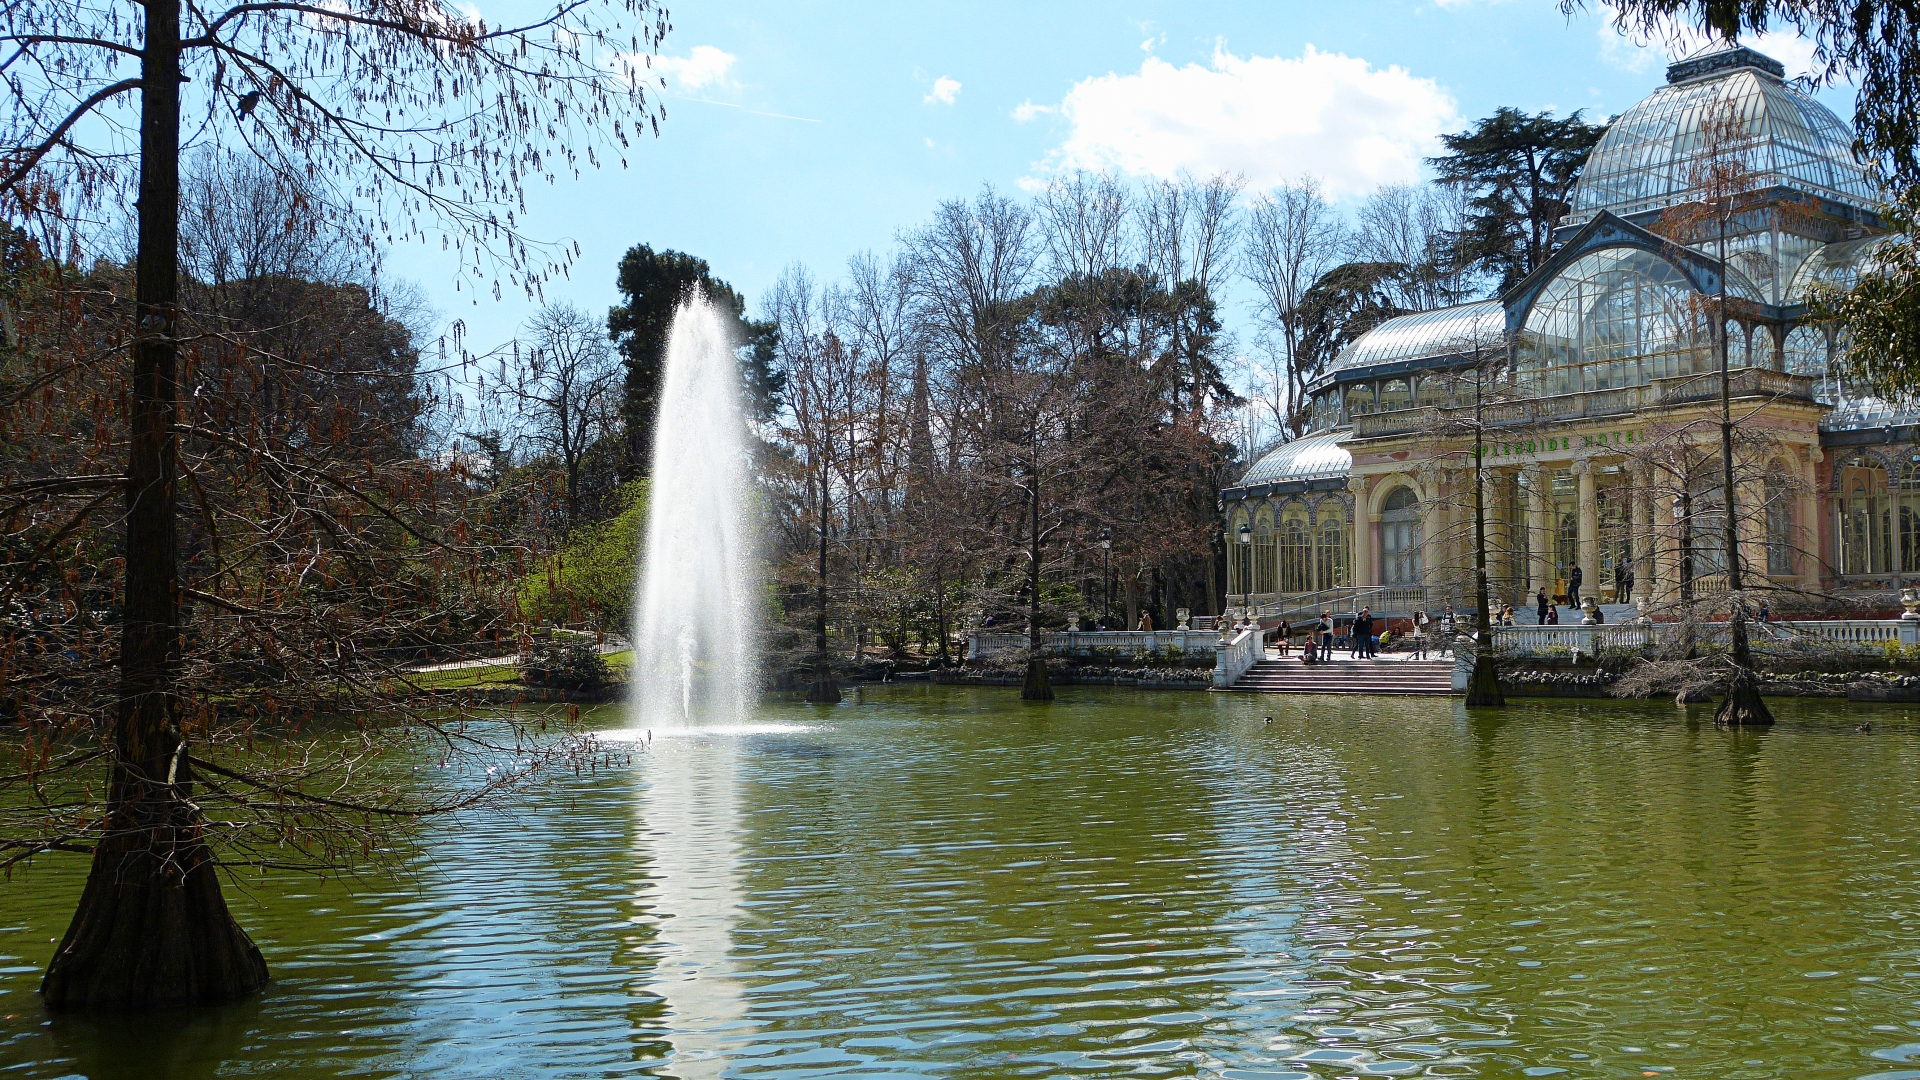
693	616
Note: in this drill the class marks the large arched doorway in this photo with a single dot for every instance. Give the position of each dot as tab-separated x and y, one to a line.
1400	540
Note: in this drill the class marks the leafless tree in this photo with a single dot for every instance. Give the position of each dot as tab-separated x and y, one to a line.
410	121
564	389
1293	238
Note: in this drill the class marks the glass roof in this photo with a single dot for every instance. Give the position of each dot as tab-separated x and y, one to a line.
1643	160
1316	457
1444	331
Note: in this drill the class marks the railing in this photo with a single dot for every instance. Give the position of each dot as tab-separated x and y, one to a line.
1866	634
1742	382
1350	599
984	644
1237	657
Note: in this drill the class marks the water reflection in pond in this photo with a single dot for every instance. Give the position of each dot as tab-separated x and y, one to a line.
943	881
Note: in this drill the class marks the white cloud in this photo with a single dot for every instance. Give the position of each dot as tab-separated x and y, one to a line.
944	91
704	67
1639	53
1267	117
1027	110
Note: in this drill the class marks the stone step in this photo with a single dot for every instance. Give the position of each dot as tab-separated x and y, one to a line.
1384	677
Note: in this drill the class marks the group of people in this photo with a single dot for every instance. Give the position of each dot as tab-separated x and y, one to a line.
1361	641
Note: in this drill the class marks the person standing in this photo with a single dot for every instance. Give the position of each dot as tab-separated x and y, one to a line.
1362	634
1540	605
1573	585
1325	630
1284	635
1420	635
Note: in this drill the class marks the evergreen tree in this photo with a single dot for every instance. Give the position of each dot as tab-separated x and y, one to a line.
1520	171
651	285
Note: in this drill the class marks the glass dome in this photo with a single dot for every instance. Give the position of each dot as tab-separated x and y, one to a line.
1316	457
1447	331
1643	160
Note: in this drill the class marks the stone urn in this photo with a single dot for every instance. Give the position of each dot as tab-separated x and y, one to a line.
1589	612
1181	614
1910	599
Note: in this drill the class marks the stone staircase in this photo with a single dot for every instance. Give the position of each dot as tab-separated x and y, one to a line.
1292	676
1615	614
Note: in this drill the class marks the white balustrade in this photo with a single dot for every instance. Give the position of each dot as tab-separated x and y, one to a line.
1237	657
1870	634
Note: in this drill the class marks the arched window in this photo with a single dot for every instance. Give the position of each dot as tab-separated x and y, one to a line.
1330	554
1806	351
1737	355
1401	561
1863	539
1395	395
1615	317
1779	498
1432	392
1265	552
1296	552
1240	560
1906	498
1359	400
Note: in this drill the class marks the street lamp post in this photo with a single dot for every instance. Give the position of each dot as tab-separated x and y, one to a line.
1106	578
1246	573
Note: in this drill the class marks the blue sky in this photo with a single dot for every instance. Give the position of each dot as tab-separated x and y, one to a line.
806	132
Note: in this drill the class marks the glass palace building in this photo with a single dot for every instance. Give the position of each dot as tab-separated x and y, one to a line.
1601	437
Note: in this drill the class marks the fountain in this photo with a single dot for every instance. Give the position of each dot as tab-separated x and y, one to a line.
693	614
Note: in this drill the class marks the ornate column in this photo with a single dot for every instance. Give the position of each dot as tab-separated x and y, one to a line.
1360	569
1539	532
1589	530
1645	537
1807	522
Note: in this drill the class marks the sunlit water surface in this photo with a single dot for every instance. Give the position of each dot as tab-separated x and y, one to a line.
931	882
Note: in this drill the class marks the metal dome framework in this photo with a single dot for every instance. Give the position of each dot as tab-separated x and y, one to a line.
1643	162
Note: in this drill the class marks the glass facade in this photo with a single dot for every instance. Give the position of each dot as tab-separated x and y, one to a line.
1644	161
1616	317
1625	309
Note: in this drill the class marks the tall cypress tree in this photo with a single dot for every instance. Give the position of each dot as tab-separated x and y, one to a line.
652	284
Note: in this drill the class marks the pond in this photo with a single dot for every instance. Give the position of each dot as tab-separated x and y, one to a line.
931	881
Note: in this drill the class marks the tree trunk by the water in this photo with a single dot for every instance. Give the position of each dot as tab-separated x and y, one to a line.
1484	687
152	929
1742	705
1036	687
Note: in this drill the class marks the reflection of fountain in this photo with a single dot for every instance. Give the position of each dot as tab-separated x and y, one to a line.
693	650
688	820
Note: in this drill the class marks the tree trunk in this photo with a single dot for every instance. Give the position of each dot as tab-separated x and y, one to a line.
1484	687
152	929
1742	706
825	689
1036	687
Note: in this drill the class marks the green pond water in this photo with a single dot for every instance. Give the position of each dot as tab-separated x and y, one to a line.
944	882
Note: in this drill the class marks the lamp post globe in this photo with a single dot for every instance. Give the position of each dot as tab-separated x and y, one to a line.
1246	595
1106	579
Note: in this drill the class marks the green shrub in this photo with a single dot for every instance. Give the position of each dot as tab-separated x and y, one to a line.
565	662
592	577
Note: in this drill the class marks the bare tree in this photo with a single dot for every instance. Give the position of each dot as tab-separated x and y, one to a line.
410	119
1720	184
1293	238
564	390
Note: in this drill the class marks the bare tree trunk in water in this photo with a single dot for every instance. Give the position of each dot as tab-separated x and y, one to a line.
1484	689
1742	706
152	929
